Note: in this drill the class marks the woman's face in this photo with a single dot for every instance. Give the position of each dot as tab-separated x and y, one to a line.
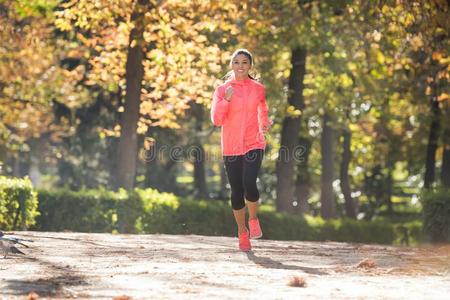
241	65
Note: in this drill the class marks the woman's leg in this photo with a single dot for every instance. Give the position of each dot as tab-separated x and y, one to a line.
239	216
252	210
252	164
234	170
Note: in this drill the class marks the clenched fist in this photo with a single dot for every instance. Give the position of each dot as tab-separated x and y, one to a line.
228	93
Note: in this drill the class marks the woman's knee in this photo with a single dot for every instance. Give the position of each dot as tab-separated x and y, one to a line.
252	194
250	189
238	205
237	201
237	197
252	197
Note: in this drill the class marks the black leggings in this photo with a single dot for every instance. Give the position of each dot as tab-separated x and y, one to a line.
242	171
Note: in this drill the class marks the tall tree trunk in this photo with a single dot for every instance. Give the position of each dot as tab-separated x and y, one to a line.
152	159
389	182
16	165
201	189
350	209
34	173
289	134
38	146
223	182
199	153
327	197
432	144
128	142
303	182
112	102
445	170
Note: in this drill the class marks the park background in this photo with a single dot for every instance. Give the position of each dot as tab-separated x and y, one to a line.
105	125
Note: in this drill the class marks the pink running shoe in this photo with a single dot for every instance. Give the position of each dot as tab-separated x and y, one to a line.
244	241
255	229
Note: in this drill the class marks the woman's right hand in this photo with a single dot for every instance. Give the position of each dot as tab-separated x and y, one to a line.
228	93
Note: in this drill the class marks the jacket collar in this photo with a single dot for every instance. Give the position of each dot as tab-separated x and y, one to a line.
246	81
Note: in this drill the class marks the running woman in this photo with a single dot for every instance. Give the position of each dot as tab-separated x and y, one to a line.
239	107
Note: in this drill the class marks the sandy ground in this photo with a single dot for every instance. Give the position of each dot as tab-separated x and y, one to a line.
106	266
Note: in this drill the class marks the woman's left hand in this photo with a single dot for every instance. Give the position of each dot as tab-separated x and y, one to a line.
266	128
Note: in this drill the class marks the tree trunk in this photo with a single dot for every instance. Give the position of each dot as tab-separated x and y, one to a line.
16	165
199	153
432	144
34	173
327	198
303	182
128	142
445	170
388	189
37	146
199	172
289	134
350	209
112	102
223	182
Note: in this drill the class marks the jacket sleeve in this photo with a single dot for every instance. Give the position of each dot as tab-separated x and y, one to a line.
219	108
263	110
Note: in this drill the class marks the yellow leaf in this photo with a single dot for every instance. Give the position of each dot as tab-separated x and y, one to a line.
416	43
345	80
437	55
409	19
380	57
443	97
292	112
63	25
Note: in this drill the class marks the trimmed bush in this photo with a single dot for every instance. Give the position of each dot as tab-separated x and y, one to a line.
436	214
18	203
159	210
83	211
281	226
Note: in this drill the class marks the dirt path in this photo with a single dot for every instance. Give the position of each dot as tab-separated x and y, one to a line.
104	266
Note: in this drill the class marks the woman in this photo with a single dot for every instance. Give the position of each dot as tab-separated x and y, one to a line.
239	107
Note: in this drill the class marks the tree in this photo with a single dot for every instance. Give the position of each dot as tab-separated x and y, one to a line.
134	73
289	133
175	63
33	84
198	152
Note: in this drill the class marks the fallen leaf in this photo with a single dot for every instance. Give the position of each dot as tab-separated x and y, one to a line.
123	297
32	296
297	281
366	263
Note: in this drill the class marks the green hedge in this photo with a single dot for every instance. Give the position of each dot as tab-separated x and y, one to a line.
436	213
149	211
83	211
18	203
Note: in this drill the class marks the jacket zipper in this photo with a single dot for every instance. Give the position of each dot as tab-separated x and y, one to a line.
244	119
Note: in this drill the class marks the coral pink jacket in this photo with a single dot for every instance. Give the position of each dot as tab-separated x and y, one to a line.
241	119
